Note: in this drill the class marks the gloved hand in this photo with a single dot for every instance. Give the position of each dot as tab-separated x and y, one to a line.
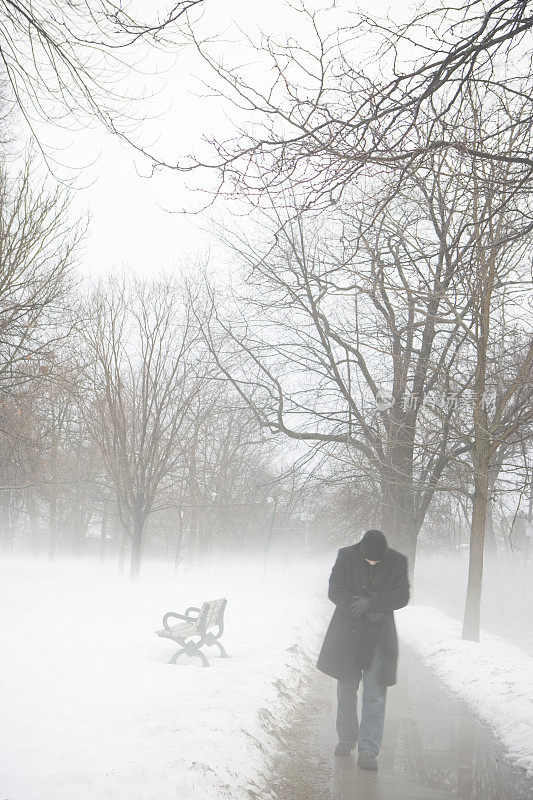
376	616
358	606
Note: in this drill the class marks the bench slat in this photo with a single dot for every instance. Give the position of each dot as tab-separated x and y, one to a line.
185	628
216	611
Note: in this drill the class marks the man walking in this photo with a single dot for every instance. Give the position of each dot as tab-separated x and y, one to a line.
368	582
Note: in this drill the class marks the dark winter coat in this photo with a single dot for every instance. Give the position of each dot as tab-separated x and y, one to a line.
389	590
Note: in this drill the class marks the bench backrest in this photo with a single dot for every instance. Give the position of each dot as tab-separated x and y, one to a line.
214	610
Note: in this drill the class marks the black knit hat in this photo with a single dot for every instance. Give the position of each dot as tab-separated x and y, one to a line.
373	545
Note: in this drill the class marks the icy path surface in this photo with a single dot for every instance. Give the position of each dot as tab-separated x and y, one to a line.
90	708
494	677
433	748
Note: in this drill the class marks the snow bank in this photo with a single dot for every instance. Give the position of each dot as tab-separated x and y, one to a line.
90	708
494	677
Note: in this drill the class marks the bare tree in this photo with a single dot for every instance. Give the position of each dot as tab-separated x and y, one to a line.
347	334
144	372
495	266
346	100
228	471
63	59
37	253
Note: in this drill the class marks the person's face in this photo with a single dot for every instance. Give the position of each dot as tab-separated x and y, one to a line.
372	563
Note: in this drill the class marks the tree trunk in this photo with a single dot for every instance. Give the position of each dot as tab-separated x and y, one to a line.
7	527
136	546
123	546
481	465
179	542
31	508
52	526
103	531
398	491
475	568
399	526
529	526
482	287
398	515
490	536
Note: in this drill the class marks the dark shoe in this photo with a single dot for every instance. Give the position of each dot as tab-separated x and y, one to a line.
368	761
344	748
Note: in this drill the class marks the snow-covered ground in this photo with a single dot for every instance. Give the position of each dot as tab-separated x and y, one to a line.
90	709
494	677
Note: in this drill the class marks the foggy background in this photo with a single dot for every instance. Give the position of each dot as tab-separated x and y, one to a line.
260	291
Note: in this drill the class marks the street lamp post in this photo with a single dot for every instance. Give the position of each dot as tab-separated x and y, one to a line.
273	502
179	543
308	517
214	496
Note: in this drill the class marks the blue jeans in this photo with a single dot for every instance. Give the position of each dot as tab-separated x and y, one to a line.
370	732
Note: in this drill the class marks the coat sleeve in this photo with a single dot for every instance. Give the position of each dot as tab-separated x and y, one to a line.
340	581
398	594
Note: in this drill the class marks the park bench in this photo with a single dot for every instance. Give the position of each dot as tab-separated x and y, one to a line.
195	630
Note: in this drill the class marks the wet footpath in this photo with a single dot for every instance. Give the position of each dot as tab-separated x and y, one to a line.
433	749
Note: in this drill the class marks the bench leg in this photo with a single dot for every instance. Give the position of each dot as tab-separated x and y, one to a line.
190	651
223	653
176	655
205	662
210	639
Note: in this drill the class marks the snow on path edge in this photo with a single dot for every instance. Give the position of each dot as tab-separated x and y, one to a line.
493	676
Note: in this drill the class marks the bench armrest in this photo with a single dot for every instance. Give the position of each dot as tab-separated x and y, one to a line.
177	616
192	608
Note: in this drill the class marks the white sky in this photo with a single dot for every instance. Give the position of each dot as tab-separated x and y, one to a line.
129	224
